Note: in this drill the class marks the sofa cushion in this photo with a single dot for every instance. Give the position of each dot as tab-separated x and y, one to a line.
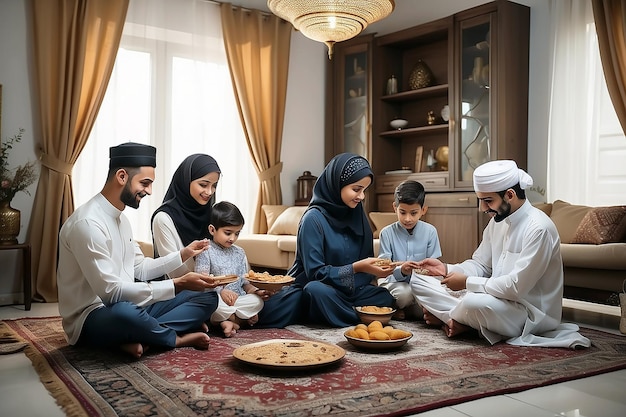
566	218
602	225
382	219
287	222
262	250
595	257
272	212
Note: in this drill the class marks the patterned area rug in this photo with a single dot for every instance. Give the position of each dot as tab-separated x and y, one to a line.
431	371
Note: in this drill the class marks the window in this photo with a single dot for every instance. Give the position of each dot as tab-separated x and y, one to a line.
586	143
170	88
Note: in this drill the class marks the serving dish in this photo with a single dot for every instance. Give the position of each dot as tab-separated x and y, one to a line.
368	316
378	345
289	354
273	283
224	279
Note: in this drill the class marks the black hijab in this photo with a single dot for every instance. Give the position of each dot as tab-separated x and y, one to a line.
190	218
343	169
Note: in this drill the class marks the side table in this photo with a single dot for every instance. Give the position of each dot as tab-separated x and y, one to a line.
25	248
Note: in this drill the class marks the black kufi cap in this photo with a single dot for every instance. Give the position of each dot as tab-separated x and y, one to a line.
132	154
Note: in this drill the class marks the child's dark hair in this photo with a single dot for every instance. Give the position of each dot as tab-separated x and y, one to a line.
224	214
410	192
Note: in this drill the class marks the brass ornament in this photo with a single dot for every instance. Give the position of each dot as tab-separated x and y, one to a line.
421	76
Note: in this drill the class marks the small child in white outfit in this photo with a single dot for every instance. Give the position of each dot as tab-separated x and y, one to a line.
239	302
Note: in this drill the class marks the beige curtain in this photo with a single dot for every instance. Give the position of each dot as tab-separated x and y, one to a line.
610	19
257	48
75	43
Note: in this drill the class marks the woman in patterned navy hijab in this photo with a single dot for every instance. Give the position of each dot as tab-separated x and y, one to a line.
335	264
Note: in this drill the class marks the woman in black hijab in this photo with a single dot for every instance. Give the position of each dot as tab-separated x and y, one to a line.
186	210
335	264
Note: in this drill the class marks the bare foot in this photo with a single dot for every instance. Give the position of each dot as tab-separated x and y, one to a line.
454	328
430	319
399	314
229	328
197	340
205	327
253	320
135	349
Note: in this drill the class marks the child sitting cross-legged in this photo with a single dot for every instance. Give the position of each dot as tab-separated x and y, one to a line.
238	302
407	240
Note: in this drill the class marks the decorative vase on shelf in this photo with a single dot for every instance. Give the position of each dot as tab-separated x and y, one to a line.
442	157
9	223
421	76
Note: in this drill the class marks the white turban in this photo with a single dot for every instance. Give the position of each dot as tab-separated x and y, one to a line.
496	176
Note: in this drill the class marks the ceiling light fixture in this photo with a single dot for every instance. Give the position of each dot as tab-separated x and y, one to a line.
331	21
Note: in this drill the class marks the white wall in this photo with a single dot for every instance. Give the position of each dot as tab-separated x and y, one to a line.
303	136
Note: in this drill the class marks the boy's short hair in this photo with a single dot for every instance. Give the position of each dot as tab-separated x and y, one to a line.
410	192
225	214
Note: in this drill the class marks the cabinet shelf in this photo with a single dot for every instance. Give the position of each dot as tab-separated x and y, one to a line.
410	95
413	131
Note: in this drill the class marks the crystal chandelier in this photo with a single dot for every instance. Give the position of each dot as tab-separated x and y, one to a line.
331	21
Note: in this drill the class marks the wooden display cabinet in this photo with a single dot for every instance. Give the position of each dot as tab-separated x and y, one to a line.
479	61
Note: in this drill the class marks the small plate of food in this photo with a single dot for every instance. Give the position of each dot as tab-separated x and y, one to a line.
368	314
223	279
267	281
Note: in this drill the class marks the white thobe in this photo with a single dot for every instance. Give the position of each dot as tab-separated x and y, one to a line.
99	262
514	285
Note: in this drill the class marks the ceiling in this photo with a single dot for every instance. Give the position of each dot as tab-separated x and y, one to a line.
407	13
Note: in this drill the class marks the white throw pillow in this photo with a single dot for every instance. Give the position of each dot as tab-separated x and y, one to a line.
272	212
287	222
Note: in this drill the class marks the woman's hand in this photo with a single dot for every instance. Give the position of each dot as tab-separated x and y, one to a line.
372	266
194	248
229	296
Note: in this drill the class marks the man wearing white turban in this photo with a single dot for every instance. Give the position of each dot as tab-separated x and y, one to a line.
514	281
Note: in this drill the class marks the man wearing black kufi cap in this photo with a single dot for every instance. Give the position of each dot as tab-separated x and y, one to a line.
106	296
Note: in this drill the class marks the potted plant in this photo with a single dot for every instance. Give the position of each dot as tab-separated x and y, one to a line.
12	181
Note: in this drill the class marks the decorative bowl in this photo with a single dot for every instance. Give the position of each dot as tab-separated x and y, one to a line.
398	124
367	317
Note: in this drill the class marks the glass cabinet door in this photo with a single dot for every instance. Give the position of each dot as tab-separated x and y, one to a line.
355	108
474	127
349	106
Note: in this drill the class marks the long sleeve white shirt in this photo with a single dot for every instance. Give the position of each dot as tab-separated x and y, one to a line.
167	240
99	262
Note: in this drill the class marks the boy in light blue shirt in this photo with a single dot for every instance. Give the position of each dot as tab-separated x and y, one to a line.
407	240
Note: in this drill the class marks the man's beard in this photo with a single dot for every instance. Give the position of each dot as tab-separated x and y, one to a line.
503	211
128	198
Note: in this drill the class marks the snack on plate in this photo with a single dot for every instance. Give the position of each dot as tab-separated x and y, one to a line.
376	331
376	309
383	262
267	277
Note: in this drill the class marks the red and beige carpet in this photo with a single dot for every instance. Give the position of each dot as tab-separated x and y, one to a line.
431	371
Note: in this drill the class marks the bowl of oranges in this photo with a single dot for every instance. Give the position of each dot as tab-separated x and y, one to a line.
376	336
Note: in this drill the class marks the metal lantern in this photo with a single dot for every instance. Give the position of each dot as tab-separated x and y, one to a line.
305	184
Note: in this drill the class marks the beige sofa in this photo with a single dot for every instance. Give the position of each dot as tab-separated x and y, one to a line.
593	247
276	249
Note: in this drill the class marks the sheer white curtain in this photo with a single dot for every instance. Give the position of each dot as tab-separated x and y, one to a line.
170	88
586	146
